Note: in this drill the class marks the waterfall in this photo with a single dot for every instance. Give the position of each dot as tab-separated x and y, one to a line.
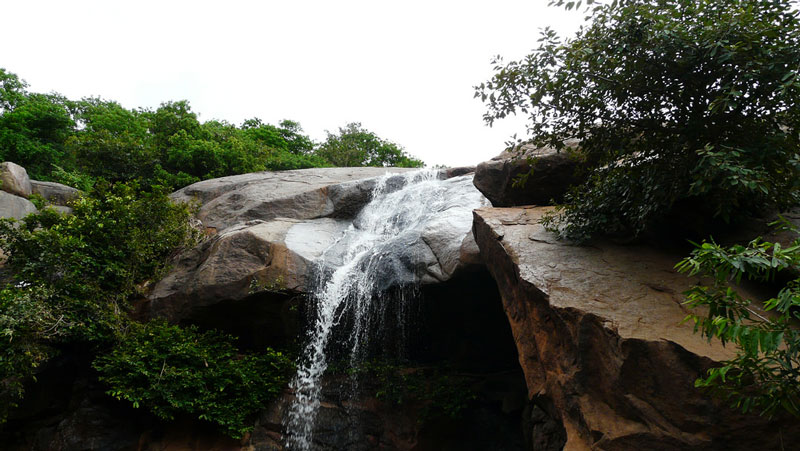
381	249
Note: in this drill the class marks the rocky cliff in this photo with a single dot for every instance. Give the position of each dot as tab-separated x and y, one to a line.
563	347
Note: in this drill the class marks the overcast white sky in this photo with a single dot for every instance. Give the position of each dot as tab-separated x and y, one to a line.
404	69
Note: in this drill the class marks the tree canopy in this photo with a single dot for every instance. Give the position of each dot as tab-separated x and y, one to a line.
672	101
78	142
357	146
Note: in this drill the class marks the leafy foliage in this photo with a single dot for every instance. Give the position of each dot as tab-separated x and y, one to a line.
671	101
357	146
765	374
71	275
440	391
81	142
172	370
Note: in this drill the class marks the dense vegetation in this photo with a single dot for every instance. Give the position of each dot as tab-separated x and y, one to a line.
70	280
691	102
77	142
691	106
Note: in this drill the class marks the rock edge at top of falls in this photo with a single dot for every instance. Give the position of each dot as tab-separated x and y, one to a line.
295	194
266	228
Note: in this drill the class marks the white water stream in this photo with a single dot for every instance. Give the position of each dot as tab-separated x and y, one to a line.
379	250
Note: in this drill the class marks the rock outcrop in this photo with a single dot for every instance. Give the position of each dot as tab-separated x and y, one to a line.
267	228
608	363
14	179
16	207
299	194
54	193
553	173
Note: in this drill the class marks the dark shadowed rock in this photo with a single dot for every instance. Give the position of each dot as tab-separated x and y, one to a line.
554	173
14	179
54	193
600	338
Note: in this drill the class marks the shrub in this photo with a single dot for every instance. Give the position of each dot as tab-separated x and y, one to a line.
765	374
172	370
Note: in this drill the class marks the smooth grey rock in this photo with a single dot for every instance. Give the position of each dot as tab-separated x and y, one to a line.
14	179
299	194
53	192
16	207
228	267
554	173
296	225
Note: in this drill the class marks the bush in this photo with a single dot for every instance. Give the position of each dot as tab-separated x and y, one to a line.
765	374
172	370
686	101
72	275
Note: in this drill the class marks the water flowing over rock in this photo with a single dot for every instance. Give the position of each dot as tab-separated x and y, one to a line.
267	228
412	229
608	362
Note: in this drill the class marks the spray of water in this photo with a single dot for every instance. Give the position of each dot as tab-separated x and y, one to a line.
380	250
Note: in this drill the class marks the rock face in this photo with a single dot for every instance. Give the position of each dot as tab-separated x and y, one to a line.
54	193
16	207
299	194
598	330
553	173
15	179
268	228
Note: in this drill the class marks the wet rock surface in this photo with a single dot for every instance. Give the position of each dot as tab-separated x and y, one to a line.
276	251
298	194
600	340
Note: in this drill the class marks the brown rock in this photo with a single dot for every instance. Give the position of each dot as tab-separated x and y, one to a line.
600	340
554	173
14	179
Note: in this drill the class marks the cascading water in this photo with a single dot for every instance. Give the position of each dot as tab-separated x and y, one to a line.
380	250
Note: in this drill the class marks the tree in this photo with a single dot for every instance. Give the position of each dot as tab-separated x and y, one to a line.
674	102
33	130
12	90
357	146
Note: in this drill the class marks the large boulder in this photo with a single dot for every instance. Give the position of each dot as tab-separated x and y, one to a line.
54	193
608	361
553	173
269	229
16	207
299	194
14	179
